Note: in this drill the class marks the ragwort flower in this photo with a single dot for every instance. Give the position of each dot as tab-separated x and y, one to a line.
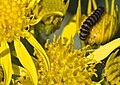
112	73
16	16
68	66
106	27
112	68
52	15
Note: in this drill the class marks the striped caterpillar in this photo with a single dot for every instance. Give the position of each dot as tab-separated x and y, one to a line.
90	22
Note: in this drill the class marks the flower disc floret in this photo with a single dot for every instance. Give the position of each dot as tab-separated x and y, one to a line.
14	19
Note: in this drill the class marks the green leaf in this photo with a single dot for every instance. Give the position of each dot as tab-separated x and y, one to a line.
39	48
5	62
26	60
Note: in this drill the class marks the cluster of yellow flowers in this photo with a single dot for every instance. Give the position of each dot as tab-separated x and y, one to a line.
59	63
13	19
68	66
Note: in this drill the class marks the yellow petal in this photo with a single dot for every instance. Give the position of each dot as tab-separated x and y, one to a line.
38	1
31	4
107	6
39	48
94	4
102	52
26	60
69	31
5	62
78	15
112	7
89	9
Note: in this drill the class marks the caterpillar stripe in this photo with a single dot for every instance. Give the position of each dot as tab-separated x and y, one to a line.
90	22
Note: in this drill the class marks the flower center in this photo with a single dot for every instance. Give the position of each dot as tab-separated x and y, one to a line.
13	19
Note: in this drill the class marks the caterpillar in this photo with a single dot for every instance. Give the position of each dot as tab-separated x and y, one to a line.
90	22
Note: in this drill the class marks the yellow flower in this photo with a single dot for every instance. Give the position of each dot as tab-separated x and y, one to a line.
16	16
112	64
112	68
68	66
106	28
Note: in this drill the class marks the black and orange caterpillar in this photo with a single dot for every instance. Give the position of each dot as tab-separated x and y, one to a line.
90	22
